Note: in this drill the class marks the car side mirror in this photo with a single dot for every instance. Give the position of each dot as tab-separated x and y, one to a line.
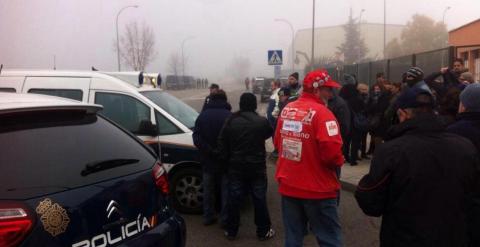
147	128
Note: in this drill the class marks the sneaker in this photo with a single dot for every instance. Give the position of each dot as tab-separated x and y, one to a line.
270	234
229	236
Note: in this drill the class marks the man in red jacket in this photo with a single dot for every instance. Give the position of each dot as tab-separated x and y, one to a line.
310	148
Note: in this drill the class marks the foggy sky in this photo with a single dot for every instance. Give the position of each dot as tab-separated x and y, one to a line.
81	33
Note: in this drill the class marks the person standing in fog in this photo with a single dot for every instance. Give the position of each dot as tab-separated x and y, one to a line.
310	150
205	134
417	182
241	145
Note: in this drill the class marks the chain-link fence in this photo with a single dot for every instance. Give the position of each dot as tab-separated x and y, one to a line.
394	68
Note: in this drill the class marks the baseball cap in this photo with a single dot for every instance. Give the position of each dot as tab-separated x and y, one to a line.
214	86
319	78
409	99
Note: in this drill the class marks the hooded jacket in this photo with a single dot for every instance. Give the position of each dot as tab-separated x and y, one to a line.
420	185
310	149
207	128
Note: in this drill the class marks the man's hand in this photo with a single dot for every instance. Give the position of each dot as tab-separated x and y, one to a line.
444	70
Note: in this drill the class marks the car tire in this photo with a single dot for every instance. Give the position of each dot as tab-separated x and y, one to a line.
187	191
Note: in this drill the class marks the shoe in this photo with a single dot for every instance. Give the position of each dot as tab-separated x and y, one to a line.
270	234
209	222
366	157
229	236
353	163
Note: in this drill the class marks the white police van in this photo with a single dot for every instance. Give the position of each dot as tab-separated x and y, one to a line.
150	113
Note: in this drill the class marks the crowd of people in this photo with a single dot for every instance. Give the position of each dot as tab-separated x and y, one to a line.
421	133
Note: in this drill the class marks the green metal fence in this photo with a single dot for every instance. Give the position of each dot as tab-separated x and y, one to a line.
393	69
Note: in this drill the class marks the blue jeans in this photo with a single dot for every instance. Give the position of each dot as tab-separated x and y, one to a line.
255	184
320	214
214	186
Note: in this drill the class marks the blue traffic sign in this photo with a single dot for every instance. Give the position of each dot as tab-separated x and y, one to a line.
275	57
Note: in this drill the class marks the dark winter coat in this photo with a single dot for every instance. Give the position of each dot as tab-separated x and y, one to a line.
207	128
468	126
376	113
420	181
355	102
242	141
340	109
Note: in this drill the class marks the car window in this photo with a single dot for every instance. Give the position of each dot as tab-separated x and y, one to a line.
74	94
123	109
165	126
173	106
50	151
8	90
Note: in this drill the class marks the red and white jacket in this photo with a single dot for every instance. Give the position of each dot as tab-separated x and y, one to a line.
310	150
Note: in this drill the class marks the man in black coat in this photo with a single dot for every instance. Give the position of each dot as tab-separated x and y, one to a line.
468	126
421	179
205	134
242	144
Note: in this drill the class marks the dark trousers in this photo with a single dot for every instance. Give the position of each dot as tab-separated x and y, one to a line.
347	139
363	147
321	215
215	195
355	145
250	183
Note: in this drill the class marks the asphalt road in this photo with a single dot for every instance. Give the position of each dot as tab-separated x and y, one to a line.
358	229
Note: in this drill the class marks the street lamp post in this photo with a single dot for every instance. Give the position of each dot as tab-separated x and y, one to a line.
384	27
293	41
183	56
313	36
444	13
116	24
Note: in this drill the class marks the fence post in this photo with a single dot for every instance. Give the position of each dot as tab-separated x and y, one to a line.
388	69
414	60
451	55
370	74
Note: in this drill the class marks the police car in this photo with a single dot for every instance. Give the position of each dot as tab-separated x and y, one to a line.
71	177
150	113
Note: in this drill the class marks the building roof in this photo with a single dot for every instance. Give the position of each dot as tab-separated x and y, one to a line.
468	24
363	24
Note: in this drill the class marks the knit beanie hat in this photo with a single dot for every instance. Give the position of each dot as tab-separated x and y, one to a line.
470	97
248	102
294	75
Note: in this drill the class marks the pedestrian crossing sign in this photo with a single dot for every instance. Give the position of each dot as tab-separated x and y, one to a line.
275	57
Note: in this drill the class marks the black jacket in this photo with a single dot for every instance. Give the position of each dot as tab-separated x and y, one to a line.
242	140
207	128
340	109
420	181
468	126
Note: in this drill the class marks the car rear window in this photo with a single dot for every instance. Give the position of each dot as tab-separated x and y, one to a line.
46	152
7	90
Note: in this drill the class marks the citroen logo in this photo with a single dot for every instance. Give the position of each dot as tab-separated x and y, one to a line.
113	207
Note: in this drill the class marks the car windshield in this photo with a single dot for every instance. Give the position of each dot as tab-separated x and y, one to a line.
179	110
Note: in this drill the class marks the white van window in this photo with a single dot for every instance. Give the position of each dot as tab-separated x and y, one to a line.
123	110
165	126
65	93
8	90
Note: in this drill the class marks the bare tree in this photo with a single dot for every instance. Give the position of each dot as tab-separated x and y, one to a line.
137	46
175	64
